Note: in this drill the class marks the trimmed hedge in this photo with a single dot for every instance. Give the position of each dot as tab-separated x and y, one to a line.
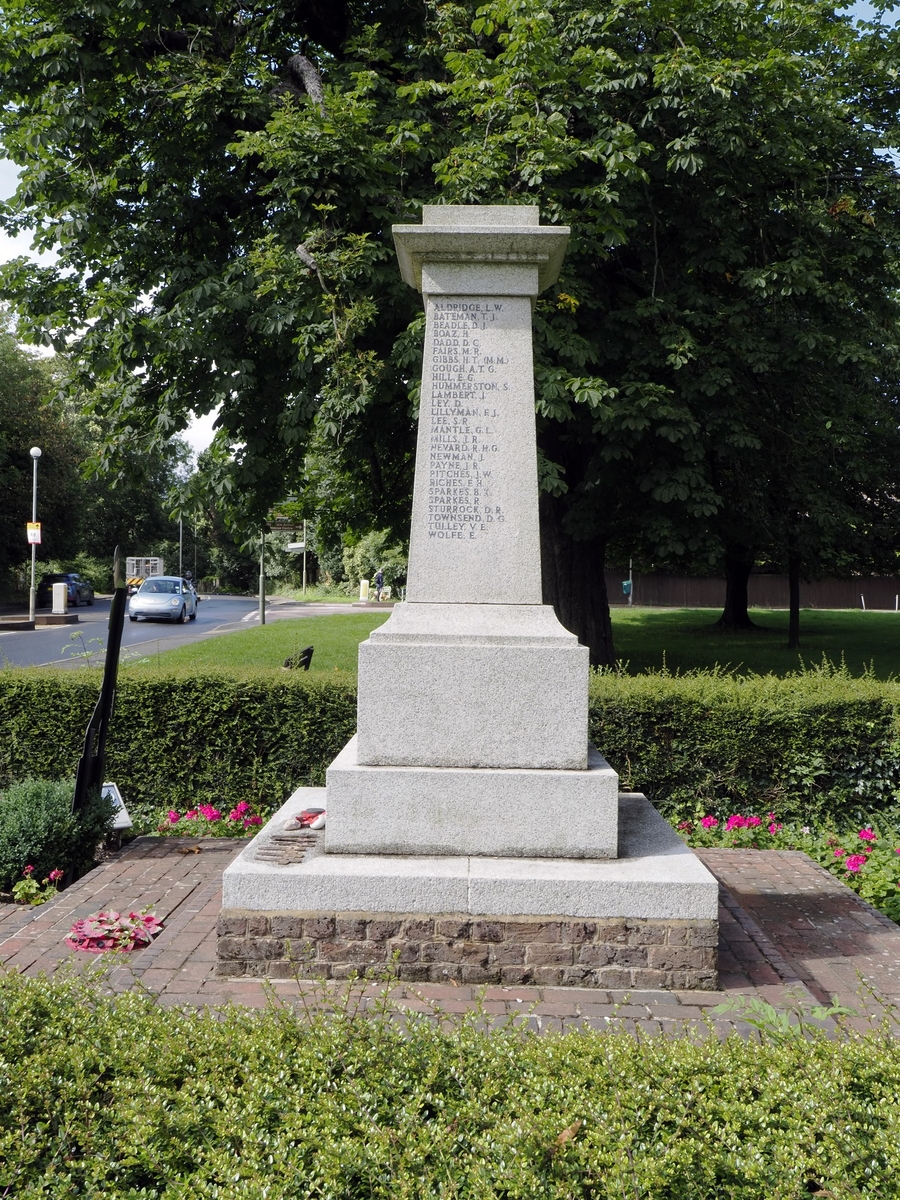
817	746
121	1098
181	740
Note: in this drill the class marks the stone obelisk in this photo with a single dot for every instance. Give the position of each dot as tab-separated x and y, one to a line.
472	719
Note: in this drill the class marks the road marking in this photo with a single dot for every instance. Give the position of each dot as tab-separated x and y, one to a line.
251	616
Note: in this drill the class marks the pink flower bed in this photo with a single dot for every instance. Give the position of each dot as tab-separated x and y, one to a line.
207	821
865	860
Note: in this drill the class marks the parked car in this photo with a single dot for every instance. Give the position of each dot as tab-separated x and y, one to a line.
80	591
164	598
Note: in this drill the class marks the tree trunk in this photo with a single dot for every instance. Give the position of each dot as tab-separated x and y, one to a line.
574	583
738	563
793	601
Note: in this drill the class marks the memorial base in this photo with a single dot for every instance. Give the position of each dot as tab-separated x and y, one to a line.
459	810
645	919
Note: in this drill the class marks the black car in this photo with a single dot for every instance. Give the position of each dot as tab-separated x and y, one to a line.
80	591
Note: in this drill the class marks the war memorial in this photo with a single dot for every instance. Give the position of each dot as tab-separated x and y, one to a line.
471	832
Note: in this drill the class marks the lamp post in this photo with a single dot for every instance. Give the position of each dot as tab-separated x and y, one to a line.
35	455
304	558
262	577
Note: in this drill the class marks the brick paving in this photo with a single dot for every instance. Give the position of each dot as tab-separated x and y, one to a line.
790	934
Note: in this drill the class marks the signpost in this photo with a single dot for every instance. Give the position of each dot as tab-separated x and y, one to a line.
33	529
282	523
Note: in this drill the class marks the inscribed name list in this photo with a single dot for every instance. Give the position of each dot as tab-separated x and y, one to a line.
475	502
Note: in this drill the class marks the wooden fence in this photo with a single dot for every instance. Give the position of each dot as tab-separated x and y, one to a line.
765	591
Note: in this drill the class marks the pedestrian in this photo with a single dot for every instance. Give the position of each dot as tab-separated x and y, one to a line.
379	583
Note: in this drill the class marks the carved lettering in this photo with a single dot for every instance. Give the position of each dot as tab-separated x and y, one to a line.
463	440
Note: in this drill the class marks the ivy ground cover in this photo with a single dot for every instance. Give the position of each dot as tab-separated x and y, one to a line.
118	1097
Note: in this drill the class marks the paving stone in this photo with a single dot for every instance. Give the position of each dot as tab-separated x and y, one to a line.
789	932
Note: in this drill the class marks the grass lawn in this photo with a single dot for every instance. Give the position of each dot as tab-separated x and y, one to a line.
334	639
646	639
685	638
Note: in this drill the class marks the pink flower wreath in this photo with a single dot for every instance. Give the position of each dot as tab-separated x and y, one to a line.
111	931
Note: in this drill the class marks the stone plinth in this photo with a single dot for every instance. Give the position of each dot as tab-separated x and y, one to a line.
464	810
645	919
455	947
484	685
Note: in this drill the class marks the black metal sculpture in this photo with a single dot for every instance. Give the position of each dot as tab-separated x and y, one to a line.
92	764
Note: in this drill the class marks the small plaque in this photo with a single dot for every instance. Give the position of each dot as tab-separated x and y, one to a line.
122	819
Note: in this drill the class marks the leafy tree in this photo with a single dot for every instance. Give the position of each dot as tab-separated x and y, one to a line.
372	553
29	417
221	182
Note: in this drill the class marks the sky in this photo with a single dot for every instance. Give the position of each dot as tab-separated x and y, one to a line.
200	432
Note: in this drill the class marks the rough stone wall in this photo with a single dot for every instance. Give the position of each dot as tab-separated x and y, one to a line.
558	951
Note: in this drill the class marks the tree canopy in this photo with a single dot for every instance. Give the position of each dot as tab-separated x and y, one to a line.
717	367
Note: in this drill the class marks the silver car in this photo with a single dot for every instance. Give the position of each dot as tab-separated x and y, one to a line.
165	597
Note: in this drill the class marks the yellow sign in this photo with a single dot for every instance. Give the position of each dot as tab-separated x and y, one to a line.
34	533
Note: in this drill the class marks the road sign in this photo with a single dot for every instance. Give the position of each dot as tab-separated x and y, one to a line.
279	523
34	533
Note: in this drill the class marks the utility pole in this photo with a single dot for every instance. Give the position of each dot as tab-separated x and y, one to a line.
262	577
180	547
630	585
32	595
304	558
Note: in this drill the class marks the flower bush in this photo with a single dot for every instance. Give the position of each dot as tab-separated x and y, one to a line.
866	859
29	891
39	829
208	821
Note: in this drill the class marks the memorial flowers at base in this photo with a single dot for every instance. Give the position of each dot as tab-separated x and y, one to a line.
208	821
866	859
112	931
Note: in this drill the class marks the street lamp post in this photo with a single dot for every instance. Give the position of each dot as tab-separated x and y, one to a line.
262	577
304	558
35	455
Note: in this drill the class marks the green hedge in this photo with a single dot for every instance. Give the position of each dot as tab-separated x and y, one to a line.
176	741
819	745
121	1098
816	746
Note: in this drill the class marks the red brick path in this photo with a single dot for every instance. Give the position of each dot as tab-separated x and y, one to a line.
789	933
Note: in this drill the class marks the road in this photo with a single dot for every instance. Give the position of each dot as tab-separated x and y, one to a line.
55	644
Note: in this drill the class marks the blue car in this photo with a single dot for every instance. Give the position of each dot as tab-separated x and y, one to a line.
78	589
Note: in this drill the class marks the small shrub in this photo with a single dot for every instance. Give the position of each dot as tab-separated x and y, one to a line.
39	829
